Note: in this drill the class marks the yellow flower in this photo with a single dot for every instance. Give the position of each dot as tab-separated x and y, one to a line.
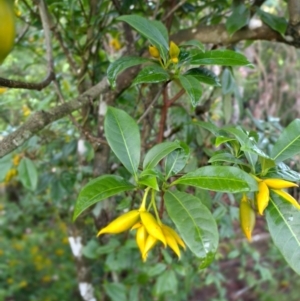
115	44
247	217
26	111
2	90
276	185
10	175
16	160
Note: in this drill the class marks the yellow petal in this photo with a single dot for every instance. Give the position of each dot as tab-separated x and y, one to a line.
171	241
152	226
121	223
262	197
287	197
175	235
141	236
279	183
149	244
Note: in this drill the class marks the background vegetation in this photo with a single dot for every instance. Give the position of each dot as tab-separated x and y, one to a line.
53	112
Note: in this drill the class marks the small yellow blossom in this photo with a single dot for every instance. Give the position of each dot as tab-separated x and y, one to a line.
26	111
2	90
16	160
114	43
10	175
23	283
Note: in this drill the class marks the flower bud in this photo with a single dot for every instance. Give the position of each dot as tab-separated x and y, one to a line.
174	52
121	223
154	52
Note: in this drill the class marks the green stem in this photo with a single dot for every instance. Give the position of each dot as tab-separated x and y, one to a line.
143	205
154	206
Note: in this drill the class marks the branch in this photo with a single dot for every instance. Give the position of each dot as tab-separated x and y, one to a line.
50	67
294	12
40	119
217	34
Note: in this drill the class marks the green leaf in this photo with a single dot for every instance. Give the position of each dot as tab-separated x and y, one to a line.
205	76
194	43
277	23
288	143
239	18
151	74
222	139
100	189
123	136
226	157
195	224
28	174
192	87
152	30
219	178
209	127
158	152
176	160
150	181
115	291
166	283
283	171
121	64
228	82
222	57
284	225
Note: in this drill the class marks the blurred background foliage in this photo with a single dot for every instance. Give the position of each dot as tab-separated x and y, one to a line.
41	180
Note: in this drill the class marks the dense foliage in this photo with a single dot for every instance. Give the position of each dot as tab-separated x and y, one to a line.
162	127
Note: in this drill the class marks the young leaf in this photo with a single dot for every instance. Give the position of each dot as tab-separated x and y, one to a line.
28	174
123	136
120	65
176	160
151	74
283	222
288	143
209	127
239	18
100	189
205	76
277	23
192	87
152	30
150	181
158	152
226	157
219	178
195	224
228	82
222	57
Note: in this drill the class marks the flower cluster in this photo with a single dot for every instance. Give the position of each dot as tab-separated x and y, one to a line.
174	52
149	231
276	185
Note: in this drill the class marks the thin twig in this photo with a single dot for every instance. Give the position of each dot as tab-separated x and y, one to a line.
173	9
151	105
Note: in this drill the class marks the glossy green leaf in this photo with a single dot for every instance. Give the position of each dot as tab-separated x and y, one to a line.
277	23
222	139
151	74
100	189
166	282
116	291
194	43
284	225
28	174
176	160
158	152
195	224
222	57
123	136
228	82
238	19
288	144
204	75
192	87
226	157
154	32
208	126
150	181
121	64
283	171
219	178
